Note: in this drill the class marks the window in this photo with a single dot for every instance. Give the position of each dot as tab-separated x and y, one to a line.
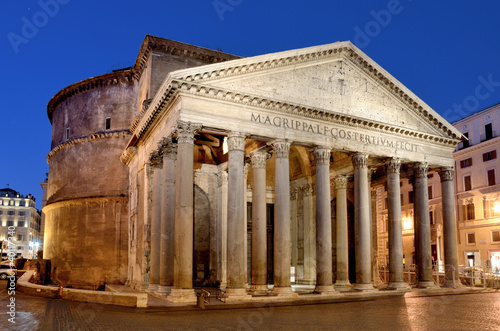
495	236
19	248
488	131
67	133
20	223
20	237
491	177
386	201
10	223
108	123
429	191
470	238
489	156
468	212
21	213
467	183
410	196
431	216
11	202
401	199
22	203
491	208
1	212
466	144
10	213
466	163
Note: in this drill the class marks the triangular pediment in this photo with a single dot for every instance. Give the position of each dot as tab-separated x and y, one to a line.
336	78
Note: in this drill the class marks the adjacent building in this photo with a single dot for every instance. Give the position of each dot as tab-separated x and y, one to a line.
18	214
477	199
196	167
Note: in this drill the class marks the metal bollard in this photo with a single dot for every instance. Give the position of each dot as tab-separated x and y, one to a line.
200	301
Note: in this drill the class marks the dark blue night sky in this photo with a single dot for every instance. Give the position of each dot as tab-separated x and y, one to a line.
446	52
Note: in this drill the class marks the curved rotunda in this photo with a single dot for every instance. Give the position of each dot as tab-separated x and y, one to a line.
242	173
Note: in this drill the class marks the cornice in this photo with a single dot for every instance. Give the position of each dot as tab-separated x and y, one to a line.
476	147
85	139
81	201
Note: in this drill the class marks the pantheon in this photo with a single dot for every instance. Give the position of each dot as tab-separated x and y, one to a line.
195	168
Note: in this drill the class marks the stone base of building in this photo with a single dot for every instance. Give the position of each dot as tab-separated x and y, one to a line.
363	287
259	289
164	290
186	295
153	288
427	284
325	290
453	284
284	292
342	285
237	294
398	286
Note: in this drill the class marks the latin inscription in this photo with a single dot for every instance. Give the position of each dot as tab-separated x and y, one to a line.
286	123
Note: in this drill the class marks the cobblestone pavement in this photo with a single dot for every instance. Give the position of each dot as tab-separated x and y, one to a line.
480	311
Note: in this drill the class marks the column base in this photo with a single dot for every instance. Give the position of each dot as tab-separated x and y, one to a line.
152	288
186	295
398	286
342	285
284	292
237	294
164	290
259	289
363	287
325	290
427	284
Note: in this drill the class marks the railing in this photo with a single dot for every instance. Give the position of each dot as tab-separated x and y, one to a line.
469	276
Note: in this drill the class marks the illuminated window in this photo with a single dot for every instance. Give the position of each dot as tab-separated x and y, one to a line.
468	212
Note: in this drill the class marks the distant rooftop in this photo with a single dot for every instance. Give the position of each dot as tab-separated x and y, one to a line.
8	192
478	113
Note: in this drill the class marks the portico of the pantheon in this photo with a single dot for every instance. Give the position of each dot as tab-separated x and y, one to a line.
199	168
259	170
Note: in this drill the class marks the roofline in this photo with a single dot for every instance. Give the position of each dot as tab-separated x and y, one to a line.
478	113
149	44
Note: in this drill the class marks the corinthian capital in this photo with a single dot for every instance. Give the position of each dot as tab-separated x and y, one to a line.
420	169
341	182
168	148
281	148
186	131
393	165
259	159
359	160
155	159
321	155
236	141
446	174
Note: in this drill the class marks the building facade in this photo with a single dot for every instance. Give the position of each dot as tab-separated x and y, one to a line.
243	172
18	214
477	199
